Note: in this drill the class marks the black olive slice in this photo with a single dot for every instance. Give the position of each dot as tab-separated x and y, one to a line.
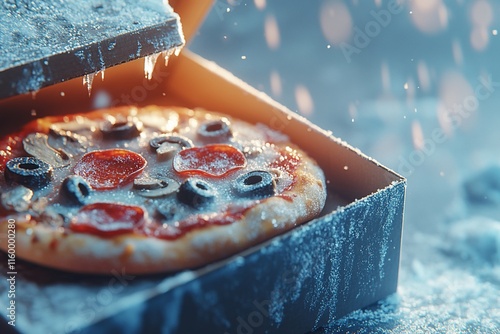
183	142
120	129
196	193
215	131
76	189
255	184
28	171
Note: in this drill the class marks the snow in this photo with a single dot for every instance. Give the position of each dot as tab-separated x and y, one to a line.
415	72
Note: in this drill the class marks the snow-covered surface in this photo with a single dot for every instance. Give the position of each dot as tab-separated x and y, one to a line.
420	94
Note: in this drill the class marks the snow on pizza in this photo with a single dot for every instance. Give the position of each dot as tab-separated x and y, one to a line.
150	190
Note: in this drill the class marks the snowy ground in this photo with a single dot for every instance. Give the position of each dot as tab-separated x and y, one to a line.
420	93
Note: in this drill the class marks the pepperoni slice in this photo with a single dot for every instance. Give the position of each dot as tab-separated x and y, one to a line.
109	169
211	160
108	219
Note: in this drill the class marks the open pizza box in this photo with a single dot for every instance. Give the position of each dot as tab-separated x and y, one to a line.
346	259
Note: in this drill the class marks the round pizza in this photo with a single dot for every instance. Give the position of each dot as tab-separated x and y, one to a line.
149	190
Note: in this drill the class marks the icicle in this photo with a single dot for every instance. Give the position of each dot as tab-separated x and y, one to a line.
177	51
166	54
102	73
87	80
149	65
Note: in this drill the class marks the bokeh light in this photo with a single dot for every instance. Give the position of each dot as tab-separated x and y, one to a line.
271	32
304	100
481	17
275	81
455	96
417	135
336	22
424	78
456	49
429	16
260	4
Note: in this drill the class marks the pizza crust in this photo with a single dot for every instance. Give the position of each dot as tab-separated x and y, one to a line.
135	254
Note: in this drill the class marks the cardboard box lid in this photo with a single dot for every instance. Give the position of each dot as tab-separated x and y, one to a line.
46	42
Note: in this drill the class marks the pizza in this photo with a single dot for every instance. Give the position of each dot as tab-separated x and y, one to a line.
151	189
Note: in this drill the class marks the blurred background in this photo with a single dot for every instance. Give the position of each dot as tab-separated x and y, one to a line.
415	85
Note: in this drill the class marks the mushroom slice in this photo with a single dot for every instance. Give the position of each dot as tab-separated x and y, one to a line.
68	142
151	187
78	125
167	150
37	145
182	141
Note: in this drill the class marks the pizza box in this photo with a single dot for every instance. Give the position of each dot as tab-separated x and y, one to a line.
346	259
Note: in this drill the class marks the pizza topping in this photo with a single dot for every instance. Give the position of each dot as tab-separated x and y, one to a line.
108	219
148	183
167	145
183	142
109	169
167	151
79	124
255	184
196	193
28	171
151	187
53	218
126	129
215	131
167	211
211	160
39	205
251	152
37	145
76	189
67	142
17	199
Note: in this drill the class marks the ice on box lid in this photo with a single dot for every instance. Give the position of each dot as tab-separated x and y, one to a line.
44	42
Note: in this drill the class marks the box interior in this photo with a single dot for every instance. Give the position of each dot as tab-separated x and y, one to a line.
191	81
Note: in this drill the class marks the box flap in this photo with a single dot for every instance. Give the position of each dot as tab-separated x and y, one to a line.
47	42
